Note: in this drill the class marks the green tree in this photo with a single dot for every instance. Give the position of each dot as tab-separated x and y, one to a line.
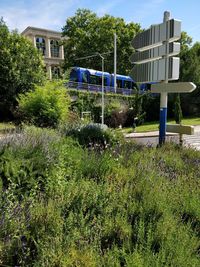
190	59
21	66
88	34
177	109
185	42
190	64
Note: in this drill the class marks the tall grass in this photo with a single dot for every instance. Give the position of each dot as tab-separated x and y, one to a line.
62	205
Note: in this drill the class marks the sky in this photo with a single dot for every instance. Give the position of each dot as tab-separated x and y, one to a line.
52	14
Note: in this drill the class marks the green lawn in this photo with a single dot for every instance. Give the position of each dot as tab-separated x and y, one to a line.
153	126
6	127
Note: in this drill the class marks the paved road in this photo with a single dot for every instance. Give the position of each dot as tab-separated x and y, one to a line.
152	138
193	141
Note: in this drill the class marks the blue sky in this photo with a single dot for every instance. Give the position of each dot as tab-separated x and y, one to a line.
52	14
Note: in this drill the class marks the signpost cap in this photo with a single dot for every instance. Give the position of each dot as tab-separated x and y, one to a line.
166	16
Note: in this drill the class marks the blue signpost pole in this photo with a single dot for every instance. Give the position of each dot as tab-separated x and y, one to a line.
163	118
163	96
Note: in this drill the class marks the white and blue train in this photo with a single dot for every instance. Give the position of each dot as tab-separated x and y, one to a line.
89	79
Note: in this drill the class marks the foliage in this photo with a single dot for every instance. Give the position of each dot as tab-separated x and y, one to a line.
190	72
177	109
6	127
62	205
21	66
119	109
46	106
190	67
114	113
92	136
85	29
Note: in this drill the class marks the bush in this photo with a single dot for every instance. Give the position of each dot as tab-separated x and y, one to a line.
46	106
92	135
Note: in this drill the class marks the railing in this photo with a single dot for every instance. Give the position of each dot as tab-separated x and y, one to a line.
98	88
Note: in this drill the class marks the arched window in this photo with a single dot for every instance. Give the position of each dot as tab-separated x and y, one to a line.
54	48
40	44
55	70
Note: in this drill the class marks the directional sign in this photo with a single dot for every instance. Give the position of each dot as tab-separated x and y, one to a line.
154	71
155	53
181	129
169	30
182	87
155	48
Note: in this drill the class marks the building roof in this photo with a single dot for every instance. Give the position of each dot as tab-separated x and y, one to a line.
31	29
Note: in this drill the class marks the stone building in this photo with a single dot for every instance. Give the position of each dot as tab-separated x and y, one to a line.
48	42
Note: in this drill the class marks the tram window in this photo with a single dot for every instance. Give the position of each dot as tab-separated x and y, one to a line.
119	83
148	86
127	84
93	79
73	76
85	80
104	80
134	85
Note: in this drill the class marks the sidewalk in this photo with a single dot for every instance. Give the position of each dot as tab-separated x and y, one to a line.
146	134
156	133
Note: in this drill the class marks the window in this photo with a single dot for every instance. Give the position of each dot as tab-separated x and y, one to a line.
119	83
73	76
134	85
54	48
55	72
104	80
93	79
84	75
40	44
127	84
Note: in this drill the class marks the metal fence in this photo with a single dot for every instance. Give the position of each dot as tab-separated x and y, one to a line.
98	88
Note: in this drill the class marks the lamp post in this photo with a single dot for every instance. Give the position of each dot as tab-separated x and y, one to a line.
102	89
115	62
102	84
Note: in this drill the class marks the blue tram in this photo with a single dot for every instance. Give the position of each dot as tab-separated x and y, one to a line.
89	79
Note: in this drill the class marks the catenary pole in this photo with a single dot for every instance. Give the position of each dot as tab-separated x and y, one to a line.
102	84
102	89
115	62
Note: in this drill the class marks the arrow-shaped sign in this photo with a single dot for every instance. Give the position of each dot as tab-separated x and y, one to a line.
157	34
182	87
182	129
155	53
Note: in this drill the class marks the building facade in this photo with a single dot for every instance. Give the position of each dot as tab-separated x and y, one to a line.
48	42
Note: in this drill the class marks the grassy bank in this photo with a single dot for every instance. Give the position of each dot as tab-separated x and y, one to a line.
153	126
6	127
63	205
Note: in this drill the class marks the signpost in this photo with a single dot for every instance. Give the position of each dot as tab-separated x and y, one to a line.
155	62
182	87
154	47
181	129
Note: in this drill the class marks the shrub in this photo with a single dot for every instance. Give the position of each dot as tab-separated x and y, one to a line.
46	106
92	135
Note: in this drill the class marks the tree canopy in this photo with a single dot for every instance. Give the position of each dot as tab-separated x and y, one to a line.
21	66
190	60
88	34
